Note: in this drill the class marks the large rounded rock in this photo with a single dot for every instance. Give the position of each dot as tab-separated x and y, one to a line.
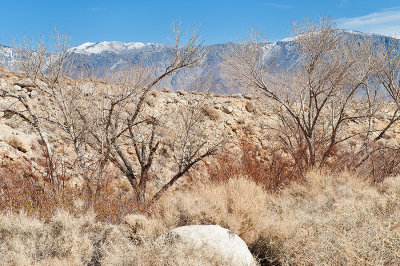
250	107
27	82
208	243
227	109
17	139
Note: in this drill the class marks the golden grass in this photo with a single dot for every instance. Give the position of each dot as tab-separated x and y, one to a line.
325	219
72	240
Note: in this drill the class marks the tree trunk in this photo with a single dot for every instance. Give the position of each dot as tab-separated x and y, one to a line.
311	150
140	198
141	191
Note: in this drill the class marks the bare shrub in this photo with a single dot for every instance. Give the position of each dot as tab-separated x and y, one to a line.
317	99
272	169
25	189
379	165
99	127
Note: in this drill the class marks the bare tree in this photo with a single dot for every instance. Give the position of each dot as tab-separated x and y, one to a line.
387	65
385	60
315	99
31	56
120	116
192	143
100	119
38	62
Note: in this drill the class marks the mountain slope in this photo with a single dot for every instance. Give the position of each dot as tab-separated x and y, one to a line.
105	58
7	58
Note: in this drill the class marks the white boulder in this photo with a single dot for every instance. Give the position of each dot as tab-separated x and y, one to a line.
209	241
27	82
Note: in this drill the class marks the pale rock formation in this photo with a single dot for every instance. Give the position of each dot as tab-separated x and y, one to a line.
210	240
27	82
227	109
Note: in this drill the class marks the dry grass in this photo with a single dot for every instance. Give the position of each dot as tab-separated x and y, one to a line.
285	217
327	220
79	240
336	220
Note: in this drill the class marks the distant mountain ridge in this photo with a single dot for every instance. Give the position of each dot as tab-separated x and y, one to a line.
7	58
110	57
106	58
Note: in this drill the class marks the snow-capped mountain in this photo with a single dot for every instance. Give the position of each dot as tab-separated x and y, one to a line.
110	47
7	57
110	57
105	58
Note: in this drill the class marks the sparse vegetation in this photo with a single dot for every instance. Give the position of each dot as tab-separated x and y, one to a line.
97	127
337	81
313	180
326	219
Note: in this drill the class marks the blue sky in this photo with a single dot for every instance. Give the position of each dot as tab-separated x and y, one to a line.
219	20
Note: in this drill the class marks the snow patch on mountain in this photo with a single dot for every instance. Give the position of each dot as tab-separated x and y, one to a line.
7	57
110	47
5	51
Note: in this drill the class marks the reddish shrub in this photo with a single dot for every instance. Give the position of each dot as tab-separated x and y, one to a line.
272	169
378	165
22	189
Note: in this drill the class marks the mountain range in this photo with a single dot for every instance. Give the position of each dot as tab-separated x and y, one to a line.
110	57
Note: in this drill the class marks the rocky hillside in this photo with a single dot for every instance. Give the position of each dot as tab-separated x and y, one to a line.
228	117
312	212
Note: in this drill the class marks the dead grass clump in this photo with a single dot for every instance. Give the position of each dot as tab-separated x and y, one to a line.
237	204
19	236
79	240
337	220
64	239
26	241
70	237
142	229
